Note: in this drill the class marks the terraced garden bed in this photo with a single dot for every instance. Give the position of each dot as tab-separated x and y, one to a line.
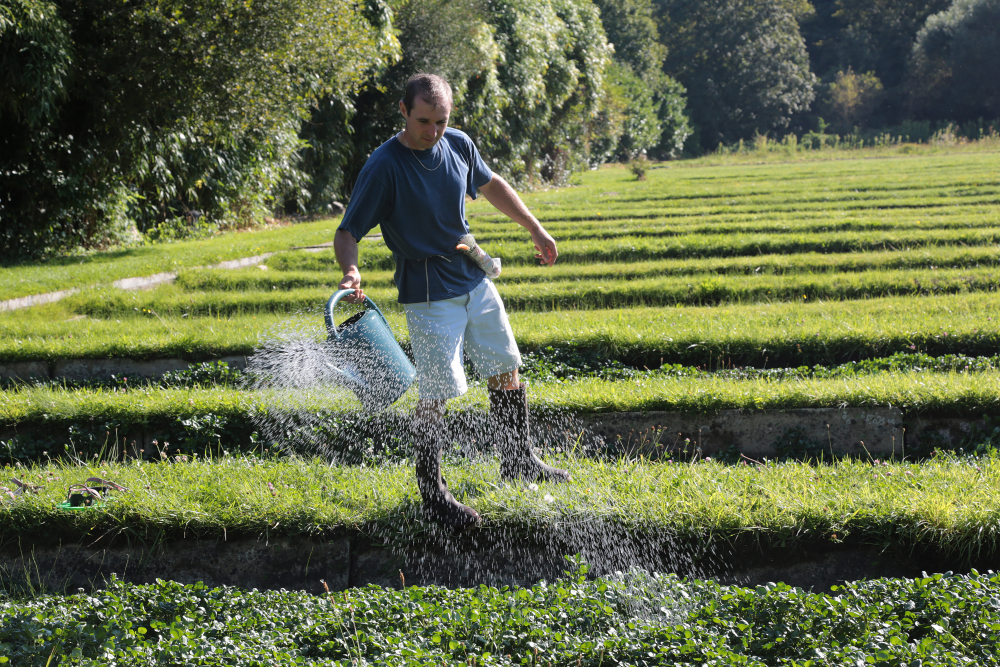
692	514
830	285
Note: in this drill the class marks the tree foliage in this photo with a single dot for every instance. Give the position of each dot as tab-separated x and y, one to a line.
643	105
166	107
528	79
852	98
742	62
446	37
867	37
955	73
877	35
548	80
631	29
35	52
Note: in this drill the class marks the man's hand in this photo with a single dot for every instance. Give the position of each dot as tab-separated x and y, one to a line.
352	280
346	249
499	193
545	246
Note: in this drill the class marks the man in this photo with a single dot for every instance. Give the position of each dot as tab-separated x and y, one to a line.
414	186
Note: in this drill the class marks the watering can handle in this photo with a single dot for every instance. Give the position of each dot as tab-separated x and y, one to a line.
331	327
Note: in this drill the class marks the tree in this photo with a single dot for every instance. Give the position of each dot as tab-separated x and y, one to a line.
647	103
867	37
169	107
742	62
852	98
446	37
877	35
35	52
954	72
631	29
528	79
549	80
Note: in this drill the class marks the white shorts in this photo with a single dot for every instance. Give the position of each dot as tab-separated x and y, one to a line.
440	330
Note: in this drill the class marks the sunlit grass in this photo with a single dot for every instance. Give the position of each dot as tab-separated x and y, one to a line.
301	269
940	393
921	194
768	335
100	268
949	504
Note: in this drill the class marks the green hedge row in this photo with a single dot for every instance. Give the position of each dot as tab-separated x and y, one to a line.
783	335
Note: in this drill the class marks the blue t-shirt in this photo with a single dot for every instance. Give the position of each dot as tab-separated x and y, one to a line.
421	208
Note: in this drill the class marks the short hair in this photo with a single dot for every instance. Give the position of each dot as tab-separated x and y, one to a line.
433	89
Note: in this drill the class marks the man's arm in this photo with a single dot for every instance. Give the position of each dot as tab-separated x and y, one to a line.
499	193
346	248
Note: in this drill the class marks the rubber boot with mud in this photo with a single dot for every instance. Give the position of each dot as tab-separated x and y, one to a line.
509	421
439	505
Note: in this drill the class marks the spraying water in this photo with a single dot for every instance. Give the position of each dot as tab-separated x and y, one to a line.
310	404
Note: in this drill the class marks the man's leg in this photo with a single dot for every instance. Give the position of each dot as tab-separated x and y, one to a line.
509	423
491	346
436	334
439	504
506	381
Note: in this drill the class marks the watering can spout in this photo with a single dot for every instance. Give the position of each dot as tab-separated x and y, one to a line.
376	369
348	378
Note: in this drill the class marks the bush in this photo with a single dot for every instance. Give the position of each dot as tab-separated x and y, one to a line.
953	68
638	167
165	113
744	65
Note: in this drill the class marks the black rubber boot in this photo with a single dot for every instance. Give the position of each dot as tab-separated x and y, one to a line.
439	504
509	421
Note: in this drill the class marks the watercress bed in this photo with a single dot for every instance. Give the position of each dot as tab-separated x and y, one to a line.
632	619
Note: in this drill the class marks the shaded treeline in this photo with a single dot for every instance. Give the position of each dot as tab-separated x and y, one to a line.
136	121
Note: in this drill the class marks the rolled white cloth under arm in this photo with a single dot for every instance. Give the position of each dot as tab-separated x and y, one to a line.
489	265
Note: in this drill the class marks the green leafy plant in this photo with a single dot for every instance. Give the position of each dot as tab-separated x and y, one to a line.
638	166
636	620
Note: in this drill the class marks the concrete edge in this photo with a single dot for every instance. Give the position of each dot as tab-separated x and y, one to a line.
466	561
860	432
35	300
102	369
145	282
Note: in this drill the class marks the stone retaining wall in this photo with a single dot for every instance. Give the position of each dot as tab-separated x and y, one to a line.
469	560
880	432
101	369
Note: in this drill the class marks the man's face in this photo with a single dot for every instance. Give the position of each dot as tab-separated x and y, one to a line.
425	124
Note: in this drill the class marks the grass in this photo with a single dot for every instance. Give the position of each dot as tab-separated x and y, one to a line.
903	272
634	246
635	620
865	199
947	505
600	294
694	234
304	269
960	394
704	264
760	335
100	268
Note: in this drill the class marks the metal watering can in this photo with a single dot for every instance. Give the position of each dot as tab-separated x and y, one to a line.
375	367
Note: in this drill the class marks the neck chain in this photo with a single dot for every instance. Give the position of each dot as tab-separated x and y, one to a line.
440	162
